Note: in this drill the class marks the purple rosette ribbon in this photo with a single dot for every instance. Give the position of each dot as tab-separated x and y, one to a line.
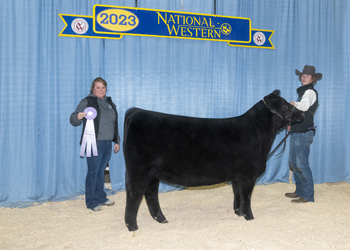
91	113
89	137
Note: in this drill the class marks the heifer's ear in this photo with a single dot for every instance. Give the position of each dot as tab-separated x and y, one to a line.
277	92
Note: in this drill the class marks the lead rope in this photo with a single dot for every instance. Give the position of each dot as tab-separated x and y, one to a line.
289	118
279	145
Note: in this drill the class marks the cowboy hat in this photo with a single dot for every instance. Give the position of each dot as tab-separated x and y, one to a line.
309	70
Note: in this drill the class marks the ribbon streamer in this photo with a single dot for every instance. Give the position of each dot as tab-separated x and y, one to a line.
89	138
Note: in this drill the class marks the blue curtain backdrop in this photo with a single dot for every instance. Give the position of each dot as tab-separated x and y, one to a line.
43	77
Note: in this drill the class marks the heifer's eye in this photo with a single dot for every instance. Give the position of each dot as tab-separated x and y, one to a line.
284	108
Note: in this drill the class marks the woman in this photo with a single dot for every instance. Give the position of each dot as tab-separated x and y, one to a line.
106	131
302	135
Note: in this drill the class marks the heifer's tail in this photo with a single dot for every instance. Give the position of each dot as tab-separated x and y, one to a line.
127	120
127	116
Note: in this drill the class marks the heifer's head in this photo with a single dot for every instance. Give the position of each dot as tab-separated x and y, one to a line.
284	110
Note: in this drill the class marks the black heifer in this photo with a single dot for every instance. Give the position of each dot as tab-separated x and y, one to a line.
198	151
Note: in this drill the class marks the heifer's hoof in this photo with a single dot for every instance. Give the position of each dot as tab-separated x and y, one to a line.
161	219
132	228
238	212
248	217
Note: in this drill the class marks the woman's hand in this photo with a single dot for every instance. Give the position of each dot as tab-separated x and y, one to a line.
81	115
116	148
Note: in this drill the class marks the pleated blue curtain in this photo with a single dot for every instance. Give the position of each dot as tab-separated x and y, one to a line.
43	77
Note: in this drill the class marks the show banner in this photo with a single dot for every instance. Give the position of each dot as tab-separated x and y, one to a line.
112	22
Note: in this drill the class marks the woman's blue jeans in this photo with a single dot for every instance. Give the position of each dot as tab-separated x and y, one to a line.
95	178
299	163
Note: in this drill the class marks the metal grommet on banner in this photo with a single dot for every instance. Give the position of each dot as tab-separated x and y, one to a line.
89	137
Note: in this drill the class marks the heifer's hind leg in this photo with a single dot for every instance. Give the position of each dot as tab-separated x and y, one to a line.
133	201
135	188
152	200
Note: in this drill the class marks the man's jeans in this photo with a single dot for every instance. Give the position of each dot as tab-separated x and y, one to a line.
94	183
299	164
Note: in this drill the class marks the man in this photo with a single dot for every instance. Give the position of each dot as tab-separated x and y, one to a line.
302	135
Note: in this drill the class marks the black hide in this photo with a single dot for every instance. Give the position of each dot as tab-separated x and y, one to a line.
198	151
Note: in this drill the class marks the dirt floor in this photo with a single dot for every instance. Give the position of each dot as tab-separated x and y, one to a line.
200	218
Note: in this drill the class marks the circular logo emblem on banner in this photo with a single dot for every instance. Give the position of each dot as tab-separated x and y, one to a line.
80	26
259	38
226	29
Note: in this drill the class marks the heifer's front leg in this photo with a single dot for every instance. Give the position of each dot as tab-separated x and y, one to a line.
242	189
152	200
246	188
237	198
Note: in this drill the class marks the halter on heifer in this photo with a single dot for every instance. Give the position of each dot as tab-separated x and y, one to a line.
288	118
